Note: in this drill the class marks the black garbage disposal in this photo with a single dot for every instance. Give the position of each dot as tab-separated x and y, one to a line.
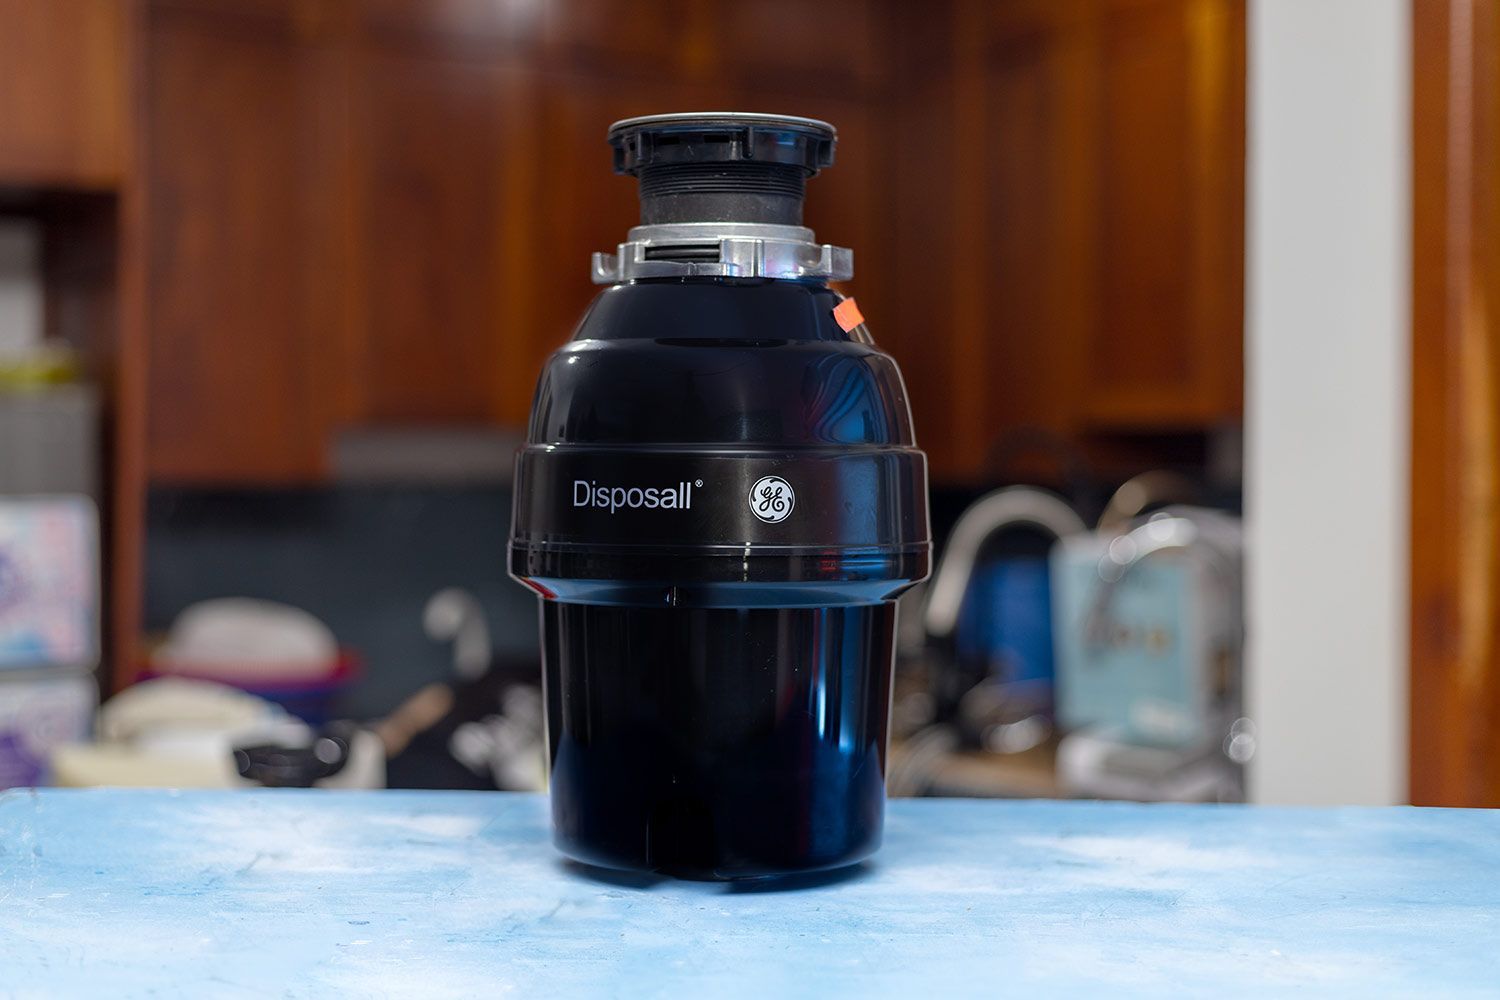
719	499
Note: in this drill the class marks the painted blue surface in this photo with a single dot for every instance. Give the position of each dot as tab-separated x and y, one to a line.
311	894
1006	624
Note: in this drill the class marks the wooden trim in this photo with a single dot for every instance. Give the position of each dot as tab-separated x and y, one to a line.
125	569
1455	511
966	436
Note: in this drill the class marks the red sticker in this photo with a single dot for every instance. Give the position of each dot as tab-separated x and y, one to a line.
848	315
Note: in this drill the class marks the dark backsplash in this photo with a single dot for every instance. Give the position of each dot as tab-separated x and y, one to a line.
364	559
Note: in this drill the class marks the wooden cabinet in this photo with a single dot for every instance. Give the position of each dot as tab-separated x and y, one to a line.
336	235
246	267
1097	223
438	256
1455	429
63	88
372	211
1166	343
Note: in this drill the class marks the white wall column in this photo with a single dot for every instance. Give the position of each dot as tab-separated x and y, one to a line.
1327	401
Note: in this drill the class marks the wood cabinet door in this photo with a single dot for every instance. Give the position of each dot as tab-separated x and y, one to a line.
1455	410
1022	202
246	248
1097	219
341	225
443	223
1165	349
63	92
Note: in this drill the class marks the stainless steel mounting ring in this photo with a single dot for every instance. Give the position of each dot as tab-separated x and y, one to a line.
722	250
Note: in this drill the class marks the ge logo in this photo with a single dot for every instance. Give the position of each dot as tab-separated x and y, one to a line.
772	499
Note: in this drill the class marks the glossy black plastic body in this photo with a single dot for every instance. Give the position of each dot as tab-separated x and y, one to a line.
718	682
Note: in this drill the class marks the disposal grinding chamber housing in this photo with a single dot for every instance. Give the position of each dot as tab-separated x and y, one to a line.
719	499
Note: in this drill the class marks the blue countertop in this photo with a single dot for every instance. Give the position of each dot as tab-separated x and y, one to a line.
460	893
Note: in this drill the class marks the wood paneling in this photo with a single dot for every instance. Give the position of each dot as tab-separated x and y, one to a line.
665	40
1097	222
1455	526
437	140
1024	284
1044	199
839	47
771	47
439	177
63	92
920	327
245	275
1139	339
469	28
1166	349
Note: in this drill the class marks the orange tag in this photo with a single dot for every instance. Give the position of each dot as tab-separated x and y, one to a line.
847	314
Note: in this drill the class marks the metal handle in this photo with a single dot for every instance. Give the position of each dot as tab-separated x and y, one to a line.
994	512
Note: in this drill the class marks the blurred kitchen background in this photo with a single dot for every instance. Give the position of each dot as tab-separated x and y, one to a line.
277	276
